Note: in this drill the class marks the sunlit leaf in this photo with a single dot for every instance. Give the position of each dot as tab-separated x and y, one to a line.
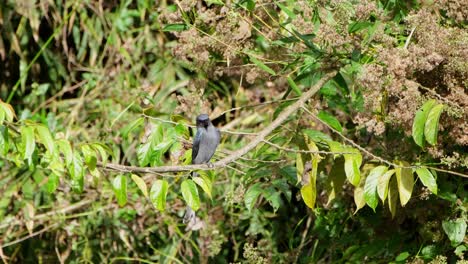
420	121
382	186
286	10
427	179
299	167
370	187
359	198
158	194
89	156
251	196
405	181
140	183
45	137
8	112
4	140
66	149
132	126
431	128
29	143
190	194
119	184
352	165
294	86
175	27
77	172
204	183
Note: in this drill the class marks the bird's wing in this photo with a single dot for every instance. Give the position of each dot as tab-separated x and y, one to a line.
196	144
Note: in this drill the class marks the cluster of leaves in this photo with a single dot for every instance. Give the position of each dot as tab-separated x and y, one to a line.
260	206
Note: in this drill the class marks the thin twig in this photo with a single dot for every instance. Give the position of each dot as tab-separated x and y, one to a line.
306	151
29	236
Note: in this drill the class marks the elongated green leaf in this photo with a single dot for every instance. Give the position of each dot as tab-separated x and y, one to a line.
420	121
309	194
427	179
431	128
294	86
370	187
286	10
262	66
45	137
455	230
392	196
2	116
29	143
144	152
66	149
158	194
352	165
309	190
204	183
405	182
4	140
190	194
299	167
52	183
77	173
251	196
133	125
175	27
119	184
140	183
330	120
382	186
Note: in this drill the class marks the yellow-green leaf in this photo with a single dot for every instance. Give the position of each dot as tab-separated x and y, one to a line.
204	183
420	121
119	185
27	138
427	179
352	165
294	86
190	194
66	149
140	183
382	186
309	194
370	187
359	198
45	137
158	194
431	128
392	196
405	182
299	167
8	112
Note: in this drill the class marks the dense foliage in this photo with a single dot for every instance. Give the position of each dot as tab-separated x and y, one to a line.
370	169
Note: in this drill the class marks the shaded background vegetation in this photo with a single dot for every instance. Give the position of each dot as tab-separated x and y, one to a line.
114	72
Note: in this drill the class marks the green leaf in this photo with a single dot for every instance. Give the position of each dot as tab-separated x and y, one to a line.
370	187
251	196
132	126
175	27
52	183
330	120
352	165
190	194
204	183
402	256
427	179
89	156
382	186
66	149
119	184
392	196
420	121
299	167
286	10
45	137
140	183
77	172
29	143
4	140
317	136
261	65
358	25
273	197
335	180
455	230
431	128
294	86
158	194
405	182
144	153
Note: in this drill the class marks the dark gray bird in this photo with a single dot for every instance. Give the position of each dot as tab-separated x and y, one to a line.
205	142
